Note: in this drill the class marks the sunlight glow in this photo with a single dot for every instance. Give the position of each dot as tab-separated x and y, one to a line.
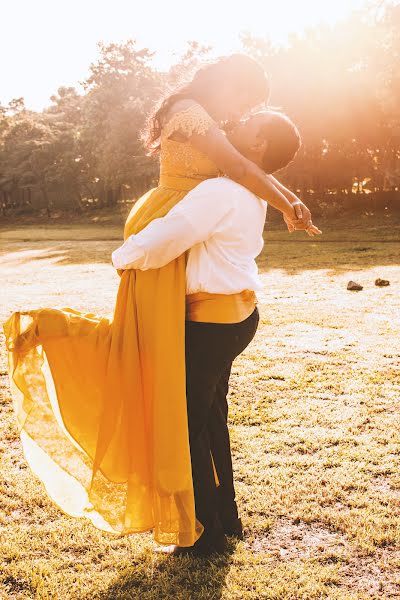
46	44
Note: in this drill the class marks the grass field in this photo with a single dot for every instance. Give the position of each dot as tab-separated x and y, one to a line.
314	417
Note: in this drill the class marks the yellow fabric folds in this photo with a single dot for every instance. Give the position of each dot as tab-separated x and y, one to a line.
101	404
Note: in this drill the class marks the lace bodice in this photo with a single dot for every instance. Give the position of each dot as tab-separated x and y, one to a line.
181	159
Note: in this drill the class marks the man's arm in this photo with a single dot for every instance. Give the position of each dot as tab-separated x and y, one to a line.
191	221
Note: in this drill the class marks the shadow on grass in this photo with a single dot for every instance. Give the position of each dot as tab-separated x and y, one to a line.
337	257
288	256
179	578
16	254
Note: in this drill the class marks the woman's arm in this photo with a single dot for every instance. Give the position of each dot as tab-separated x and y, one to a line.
293	199
212	142
237	167
304	215
242	170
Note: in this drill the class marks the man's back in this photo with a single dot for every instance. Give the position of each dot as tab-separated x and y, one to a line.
225	261
220	222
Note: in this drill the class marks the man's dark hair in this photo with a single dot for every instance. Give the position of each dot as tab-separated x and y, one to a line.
283	141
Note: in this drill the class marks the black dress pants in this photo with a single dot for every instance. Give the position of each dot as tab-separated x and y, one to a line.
210	351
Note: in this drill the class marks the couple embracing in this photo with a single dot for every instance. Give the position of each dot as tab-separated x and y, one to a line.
124	420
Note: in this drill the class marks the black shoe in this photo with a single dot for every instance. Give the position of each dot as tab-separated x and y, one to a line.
173	550
233	528
197	550
210	544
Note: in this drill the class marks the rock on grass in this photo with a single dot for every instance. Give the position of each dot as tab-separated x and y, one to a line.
381	282
354	286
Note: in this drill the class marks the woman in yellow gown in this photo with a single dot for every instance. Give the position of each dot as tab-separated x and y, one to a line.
100	404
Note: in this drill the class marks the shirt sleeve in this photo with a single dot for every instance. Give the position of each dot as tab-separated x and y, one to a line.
191	221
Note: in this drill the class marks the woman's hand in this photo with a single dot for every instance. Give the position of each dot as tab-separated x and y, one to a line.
301	210
302	213
303	221
299	225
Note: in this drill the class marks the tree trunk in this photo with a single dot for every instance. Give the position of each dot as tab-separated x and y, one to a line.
47	199
78	201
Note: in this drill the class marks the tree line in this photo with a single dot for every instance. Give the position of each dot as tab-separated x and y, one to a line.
340	84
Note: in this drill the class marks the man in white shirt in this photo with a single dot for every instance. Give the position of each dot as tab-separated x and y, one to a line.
221	225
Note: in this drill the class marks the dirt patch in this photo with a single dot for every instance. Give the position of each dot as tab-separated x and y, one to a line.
288	540
375	576
382	485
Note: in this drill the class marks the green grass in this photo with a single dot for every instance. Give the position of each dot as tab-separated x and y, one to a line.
314	418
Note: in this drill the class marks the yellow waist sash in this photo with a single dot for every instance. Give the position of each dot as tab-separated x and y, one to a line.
220	308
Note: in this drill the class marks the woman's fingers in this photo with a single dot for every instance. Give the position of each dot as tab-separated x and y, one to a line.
298	210
290	226
313	230
299	225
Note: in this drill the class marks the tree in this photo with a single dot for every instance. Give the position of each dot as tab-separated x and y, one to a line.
119	94
333	81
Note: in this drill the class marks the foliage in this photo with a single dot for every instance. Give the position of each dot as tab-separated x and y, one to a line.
339	83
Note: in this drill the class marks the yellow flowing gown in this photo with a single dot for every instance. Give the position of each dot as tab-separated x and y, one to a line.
100	404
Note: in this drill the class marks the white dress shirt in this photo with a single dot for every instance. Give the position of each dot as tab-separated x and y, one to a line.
220	222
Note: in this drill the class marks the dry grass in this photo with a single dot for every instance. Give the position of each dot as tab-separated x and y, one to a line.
314	418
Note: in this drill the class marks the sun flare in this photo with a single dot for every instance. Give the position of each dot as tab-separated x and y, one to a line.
59	47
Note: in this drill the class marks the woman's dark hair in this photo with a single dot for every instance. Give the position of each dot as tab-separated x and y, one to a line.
239	67
283	139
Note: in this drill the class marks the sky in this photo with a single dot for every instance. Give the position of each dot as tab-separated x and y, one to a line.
45	44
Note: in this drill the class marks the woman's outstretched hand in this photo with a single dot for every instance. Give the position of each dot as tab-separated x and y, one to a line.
303	222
